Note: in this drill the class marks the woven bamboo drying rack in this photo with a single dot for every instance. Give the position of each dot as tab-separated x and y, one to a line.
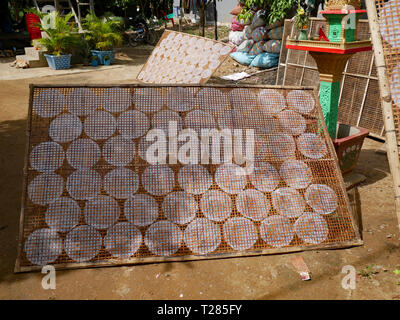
334	229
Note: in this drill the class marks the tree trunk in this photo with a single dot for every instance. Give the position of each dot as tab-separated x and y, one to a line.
202	18
215	19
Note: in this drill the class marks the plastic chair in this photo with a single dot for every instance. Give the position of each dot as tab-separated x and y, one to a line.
168	17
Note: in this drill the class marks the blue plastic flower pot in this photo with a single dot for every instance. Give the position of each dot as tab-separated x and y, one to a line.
95	63
101	54
58	62
107	62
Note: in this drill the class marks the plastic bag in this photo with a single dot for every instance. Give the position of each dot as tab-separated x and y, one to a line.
242	57
272	46
276	33
236	37
236	26
246	45
258	19
265	60
257	48
259	34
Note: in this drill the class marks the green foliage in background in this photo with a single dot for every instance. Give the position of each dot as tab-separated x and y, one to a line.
62	35
102	34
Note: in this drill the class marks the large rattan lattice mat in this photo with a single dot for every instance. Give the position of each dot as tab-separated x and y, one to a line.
389	25
92	198
183	58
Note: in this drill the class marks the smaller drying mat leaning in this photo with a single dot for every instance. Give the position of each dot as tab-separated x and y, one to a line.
183	58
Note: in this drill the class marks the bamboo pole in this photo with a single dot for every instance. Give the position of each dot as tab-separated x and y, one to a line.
386	102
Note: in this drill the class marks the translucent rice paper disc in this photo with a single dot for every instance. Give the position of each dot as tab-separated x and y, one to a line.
296	174
194	179
311	146
240	233
158	180
101	212
121	183
264	177
216	205
180	207
253	204
271	100
63	214
225	50
83	243
206	74
202	236
180	99
47	157
45	188
198	120
119	151
100	125
211	100
291	122
82	102
141	210
123	240
277	231
49	103
261	122
217	47
163	238
231	178
148	99
65	128
43	246
116	99
301	101
311	228
133	124
143	148
321	198
83	154
288	202
164	118
84	184
214	64
280	146
242	98
231	119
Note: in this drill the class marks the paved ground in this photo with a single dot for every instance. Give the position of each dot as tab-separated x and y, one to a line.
264	277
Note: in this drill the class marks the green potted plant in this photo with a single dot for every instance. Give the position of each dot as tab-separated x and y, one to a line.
301	19
95	61
107	60
61	38
102	35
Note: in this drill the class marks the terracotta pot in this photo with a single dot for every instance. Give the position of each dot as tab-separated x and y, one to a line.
348	145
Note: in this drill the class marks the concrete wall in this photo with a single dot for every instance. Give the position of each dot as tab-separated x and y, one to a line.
224	8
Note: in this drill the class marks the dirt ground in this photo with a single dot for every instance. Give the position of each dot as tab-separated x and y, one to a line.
261	277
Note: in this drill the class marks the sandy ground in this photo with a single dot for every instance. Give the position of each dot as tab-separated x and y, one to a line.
263	277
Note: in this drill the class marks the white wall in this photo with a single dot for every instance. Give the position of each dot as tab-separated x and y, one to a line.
224	9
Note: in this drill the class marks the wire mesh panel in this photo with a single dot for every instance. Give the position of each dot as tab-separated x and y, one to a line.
130	174
183	58
389	25
359	103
